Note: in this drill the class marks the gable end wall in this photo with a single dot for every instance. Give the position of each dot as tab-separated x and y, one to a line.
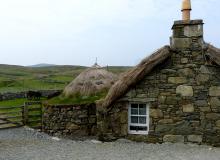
184	98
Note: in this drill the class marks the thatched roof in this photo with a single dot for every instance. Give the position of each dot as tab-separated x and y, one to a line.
133	76
90	82
213	53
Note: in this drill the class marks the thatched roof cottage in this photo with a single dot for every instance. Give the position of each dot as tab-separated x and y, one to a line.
171	96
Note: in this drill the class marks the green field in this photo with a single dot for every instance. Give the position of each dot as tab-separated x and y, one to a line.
11	112
19	78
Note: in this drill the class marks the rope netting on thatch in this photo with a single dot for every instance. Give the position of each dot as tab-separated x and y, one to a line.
90	82
133	76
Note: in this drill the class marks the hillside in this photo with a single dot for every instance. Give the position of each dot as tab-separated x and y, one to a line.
42	65
19	78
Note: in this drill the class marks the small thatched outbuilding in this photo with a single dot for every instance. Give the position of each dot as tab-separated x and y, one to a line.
92	81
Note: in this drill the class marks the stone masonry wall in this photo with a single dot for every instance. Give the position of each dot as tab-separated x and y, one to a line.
70	120
17	95
184	98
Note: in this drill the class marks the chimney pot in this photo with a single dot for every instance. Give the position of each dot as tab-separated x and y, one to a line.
186	9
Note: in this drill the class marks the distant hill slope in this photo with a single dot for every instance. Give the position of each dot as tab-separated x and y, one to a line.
42	65
19	78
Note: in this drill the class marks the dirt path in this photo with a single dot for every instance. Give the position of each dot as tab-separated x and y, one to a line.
26	144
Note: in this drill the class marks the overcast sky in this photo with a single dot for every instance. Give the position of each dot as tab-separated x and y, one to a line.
75	32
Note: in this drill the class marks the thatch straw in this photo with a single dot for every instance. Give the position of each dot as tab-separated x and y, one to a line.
213	53
133	76
90	82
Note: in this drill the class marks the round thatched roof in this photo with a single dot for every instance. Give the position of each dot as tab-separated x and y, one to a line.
91	81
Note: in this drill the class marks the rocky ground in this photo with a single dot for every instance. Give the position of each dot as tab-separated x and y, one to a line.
27	144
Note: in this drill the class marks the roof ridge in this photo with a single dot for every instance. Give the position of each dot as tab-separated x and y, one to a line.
133	76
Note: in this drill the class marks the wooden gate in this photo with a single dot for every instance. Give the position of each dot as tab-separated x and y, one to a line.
11	117
30	114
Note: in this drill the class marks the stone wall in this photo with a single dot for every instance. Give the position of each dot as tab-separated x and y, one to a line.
17	95
184	98
70	120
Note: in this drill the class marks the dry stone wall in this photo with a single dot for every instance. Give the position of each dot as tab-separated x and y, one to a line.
70	120
17	95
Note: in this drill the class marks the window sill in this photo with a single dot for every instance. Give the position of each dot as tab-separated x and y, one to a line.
138	133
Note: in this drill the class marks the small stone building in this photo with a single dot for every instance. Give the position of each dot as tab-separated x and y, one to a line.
78	120
171	96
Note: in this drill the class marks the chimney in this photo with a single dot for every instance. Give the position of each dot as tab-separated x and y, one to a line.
187	34
186	9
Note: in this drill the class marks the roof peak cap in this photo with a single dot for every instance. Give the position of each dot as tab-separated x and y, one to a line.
186	5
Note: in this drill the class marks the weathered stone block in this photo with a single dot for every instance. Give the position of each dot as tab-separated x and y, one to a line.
124	129
185	91
202	95
173	138
72	126
177	80
184	60
180	43
163	128
218	123
201	103
202	78
213	116
165	121
195	138
92	120
214	91
186	72
205	109
188	108
168	71
171	100
124	117
161	99
156	113
204	69
215	102
193	31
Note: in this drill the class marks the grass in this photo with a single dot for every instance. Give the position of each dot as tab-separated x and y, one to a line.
19	78
61	100
12	103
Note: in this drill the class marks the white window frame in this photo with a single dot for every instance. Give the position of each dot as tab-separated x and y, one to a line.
138	124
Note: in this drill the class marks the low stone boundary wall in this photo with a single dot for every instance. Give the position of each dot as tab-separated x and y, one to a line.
70	120
11	96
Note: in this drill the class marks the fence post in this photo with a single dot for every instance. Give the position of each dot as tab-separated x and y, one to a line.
25	114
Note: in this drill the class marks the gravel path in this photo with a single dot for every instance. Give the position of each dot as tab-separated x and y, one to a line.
26	144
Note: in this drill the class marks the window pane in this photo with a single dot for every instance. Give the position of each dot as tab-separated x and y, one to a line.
142	105
142	128
134	105
134	109
134	128
142	120
138	128
142	110
134	119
